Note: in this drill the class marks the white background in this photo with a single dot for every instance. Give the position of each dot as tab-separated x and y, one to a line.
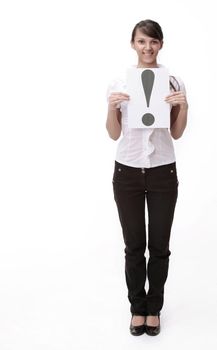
62	283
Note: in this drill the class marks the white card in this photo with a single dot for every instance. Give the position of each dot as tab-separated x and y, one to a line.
148	88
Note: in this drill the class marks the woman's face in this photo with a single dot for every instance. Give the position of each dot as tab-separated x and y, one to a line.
147	49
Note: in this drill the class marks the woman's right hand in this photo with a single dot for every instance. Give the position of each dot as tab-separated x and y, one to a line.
115	98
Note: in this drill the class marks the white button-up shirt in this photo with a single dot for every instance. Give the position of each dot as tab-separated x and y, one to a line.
143	147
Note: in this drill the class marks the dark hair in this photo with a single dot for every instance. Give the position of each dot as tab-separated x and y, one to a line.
150	28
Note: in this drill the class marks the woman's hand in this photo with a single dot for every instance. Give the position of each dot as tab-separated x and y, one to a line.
115	98
177	98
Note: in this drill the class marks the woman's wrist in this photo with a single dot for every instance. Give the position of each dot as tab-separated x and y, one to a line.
112	109
184	107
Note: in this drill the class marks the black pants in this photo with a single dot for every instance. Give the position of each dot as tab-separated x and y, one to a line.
157	186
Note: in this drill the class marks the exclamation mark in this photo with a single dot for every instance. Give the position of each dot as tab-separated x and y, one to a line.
147	83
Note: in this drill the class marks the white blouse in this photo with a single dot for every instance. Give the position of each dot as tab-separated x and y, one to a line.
143	147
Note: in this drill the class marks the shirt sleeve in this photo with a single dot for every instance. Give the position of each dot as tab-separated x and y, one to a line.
181	84
116	85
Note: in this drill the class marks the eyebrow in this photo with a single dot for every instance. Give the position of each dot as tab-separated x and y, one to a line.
145	38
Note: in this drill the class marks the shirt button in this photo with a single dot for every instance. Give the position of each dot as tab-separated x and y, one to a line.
143	170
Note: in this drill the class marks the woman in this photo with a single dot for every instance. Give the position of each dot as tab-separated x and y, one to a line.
145	172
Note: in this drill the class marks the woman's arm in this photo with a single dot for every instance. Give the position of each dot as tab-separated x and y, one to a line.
113	122
179	113
178	121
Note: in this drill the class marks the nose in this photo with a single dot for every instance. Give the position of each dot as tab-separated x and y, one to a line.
147	46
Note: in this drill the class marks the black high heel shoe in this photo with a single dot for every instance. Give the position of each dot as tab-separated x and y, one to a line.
137	330
153	330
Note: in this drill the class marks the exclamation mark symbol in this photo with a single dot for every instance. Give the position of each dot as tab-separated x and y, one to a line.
147	83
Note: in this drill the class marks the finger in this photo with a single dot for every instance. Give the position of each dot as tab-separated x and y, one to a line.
177	93
119	94
115	102
175	98
121	98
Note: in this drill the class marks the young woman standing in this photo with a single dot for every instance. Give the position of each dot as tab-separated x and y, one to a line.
145	171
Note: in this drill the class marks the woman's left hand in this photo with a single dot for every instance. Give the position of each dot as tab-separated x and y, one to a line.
177	98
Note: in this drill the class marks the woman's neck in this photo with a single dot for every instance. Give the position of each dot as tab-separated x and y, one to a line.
151	65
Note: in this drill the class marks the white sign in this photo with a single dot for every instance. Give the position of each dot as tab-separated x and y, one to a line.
148	88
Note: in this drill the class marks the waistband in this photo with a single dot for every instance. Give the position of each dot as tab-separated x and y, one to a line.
135	168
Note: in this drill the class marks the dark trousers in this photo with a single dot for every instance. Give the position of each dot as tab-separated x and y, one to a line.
158	187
